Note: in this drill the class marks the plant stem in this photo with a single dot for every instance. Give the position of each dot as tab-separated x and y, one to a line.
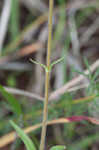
45	110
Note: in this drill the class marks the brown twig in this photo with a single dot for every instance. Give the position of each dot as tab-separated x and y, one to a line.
10	137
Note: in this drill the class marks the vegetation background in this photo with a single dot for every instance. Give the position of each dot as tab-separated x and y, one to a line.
23	35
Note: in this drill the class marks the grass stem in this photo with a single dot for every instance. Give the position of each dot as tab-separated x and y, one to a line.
45	110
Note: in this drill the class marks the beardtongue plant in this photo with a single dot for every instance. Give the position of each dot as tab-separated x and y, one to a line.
27	141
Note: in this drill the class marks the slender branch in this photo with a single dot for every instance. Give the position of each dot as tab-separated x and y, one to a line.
24	93
45	111
10	137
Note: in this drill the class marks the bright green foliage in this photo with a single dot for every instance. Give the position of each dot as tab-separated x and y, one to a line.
16	107
58	147
27	141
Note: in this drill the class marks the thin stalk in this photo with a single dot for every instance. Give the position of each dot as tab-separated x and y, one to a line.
45	110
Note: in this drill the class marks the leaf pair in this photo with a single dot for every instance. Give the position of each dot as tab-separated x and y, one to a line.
44	66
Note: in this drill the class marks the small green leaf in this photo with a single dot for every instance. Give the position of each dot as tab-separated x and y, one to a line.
16	107
37	63
27	141
55	62
86	63
58	147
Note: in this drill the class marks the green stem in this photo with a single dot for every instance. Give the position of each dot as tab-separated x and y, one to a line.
45	110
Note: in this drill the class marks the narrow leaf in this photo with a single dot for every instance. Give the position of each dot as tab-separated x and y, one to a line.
27	141
96	74
58	147
87	64
37	63
16	107
88	67
57	61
